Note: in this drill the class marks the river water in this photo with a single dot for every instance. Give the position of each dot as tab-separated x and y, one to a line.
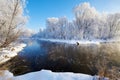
60	57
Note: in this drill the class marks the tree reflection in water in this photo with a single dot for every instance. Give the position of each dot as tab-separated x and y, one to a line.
60	57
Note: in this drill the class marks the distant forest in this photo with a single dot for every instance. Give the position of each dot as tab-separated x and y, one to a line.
88	24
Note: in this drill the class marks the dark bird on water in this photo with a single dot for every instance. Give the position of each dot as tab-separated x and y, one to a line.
77	43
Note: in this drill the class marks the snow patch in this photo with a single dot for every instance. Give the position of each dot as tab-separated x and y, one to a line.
74	41
5	75
46	75
9	52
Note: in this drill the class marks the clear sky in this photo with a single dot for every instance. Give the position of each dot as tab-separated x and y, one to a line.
40	10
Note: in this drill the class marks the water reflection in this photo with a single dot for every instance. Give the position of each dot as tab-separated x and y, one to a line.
62	57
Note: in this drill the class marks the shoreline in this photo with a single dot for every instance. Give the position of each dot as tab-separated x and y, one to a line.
48	75
11	51
72	41
45	75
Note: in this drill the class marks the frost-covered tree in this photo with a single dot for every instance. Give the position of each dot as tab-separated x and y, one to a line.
102	30
56	28
89	24
113	25
71	31
86	16
26	33
63	26
52	27
11	20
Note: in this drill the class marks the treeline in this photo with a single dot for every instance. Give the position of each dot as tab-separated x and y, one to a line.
88	24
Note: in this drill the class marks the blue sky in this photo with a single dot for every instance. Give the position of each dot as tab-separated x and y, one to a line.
40	10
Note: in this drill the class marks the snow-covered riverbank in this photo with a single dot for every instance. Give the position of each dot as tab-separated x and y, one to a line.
97	41
11	51
45	75
73	41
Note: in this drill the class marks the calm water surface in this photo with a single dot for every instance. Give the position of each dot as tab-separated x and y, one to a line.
58	57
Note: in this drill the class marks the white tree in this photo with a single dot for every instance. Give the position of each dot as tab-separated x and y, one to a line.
85	19
89	24
102	31
11	20
113	25
56	28
51	30
26	33
63	26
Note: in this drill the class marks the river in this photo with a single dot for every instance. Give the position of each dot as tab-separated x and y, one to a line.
58	57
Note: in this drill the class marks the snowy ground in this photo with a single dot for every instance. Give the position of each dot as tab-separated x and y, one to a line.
45	75
74	41
97	41
11	51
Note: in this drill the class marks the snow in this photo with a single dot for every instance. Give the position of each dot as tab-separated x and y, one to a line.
73	41
97	41
11	51
46	75
5	75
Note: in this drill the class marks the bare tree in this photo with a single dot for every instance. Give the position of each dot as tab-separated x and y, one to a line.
11	20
